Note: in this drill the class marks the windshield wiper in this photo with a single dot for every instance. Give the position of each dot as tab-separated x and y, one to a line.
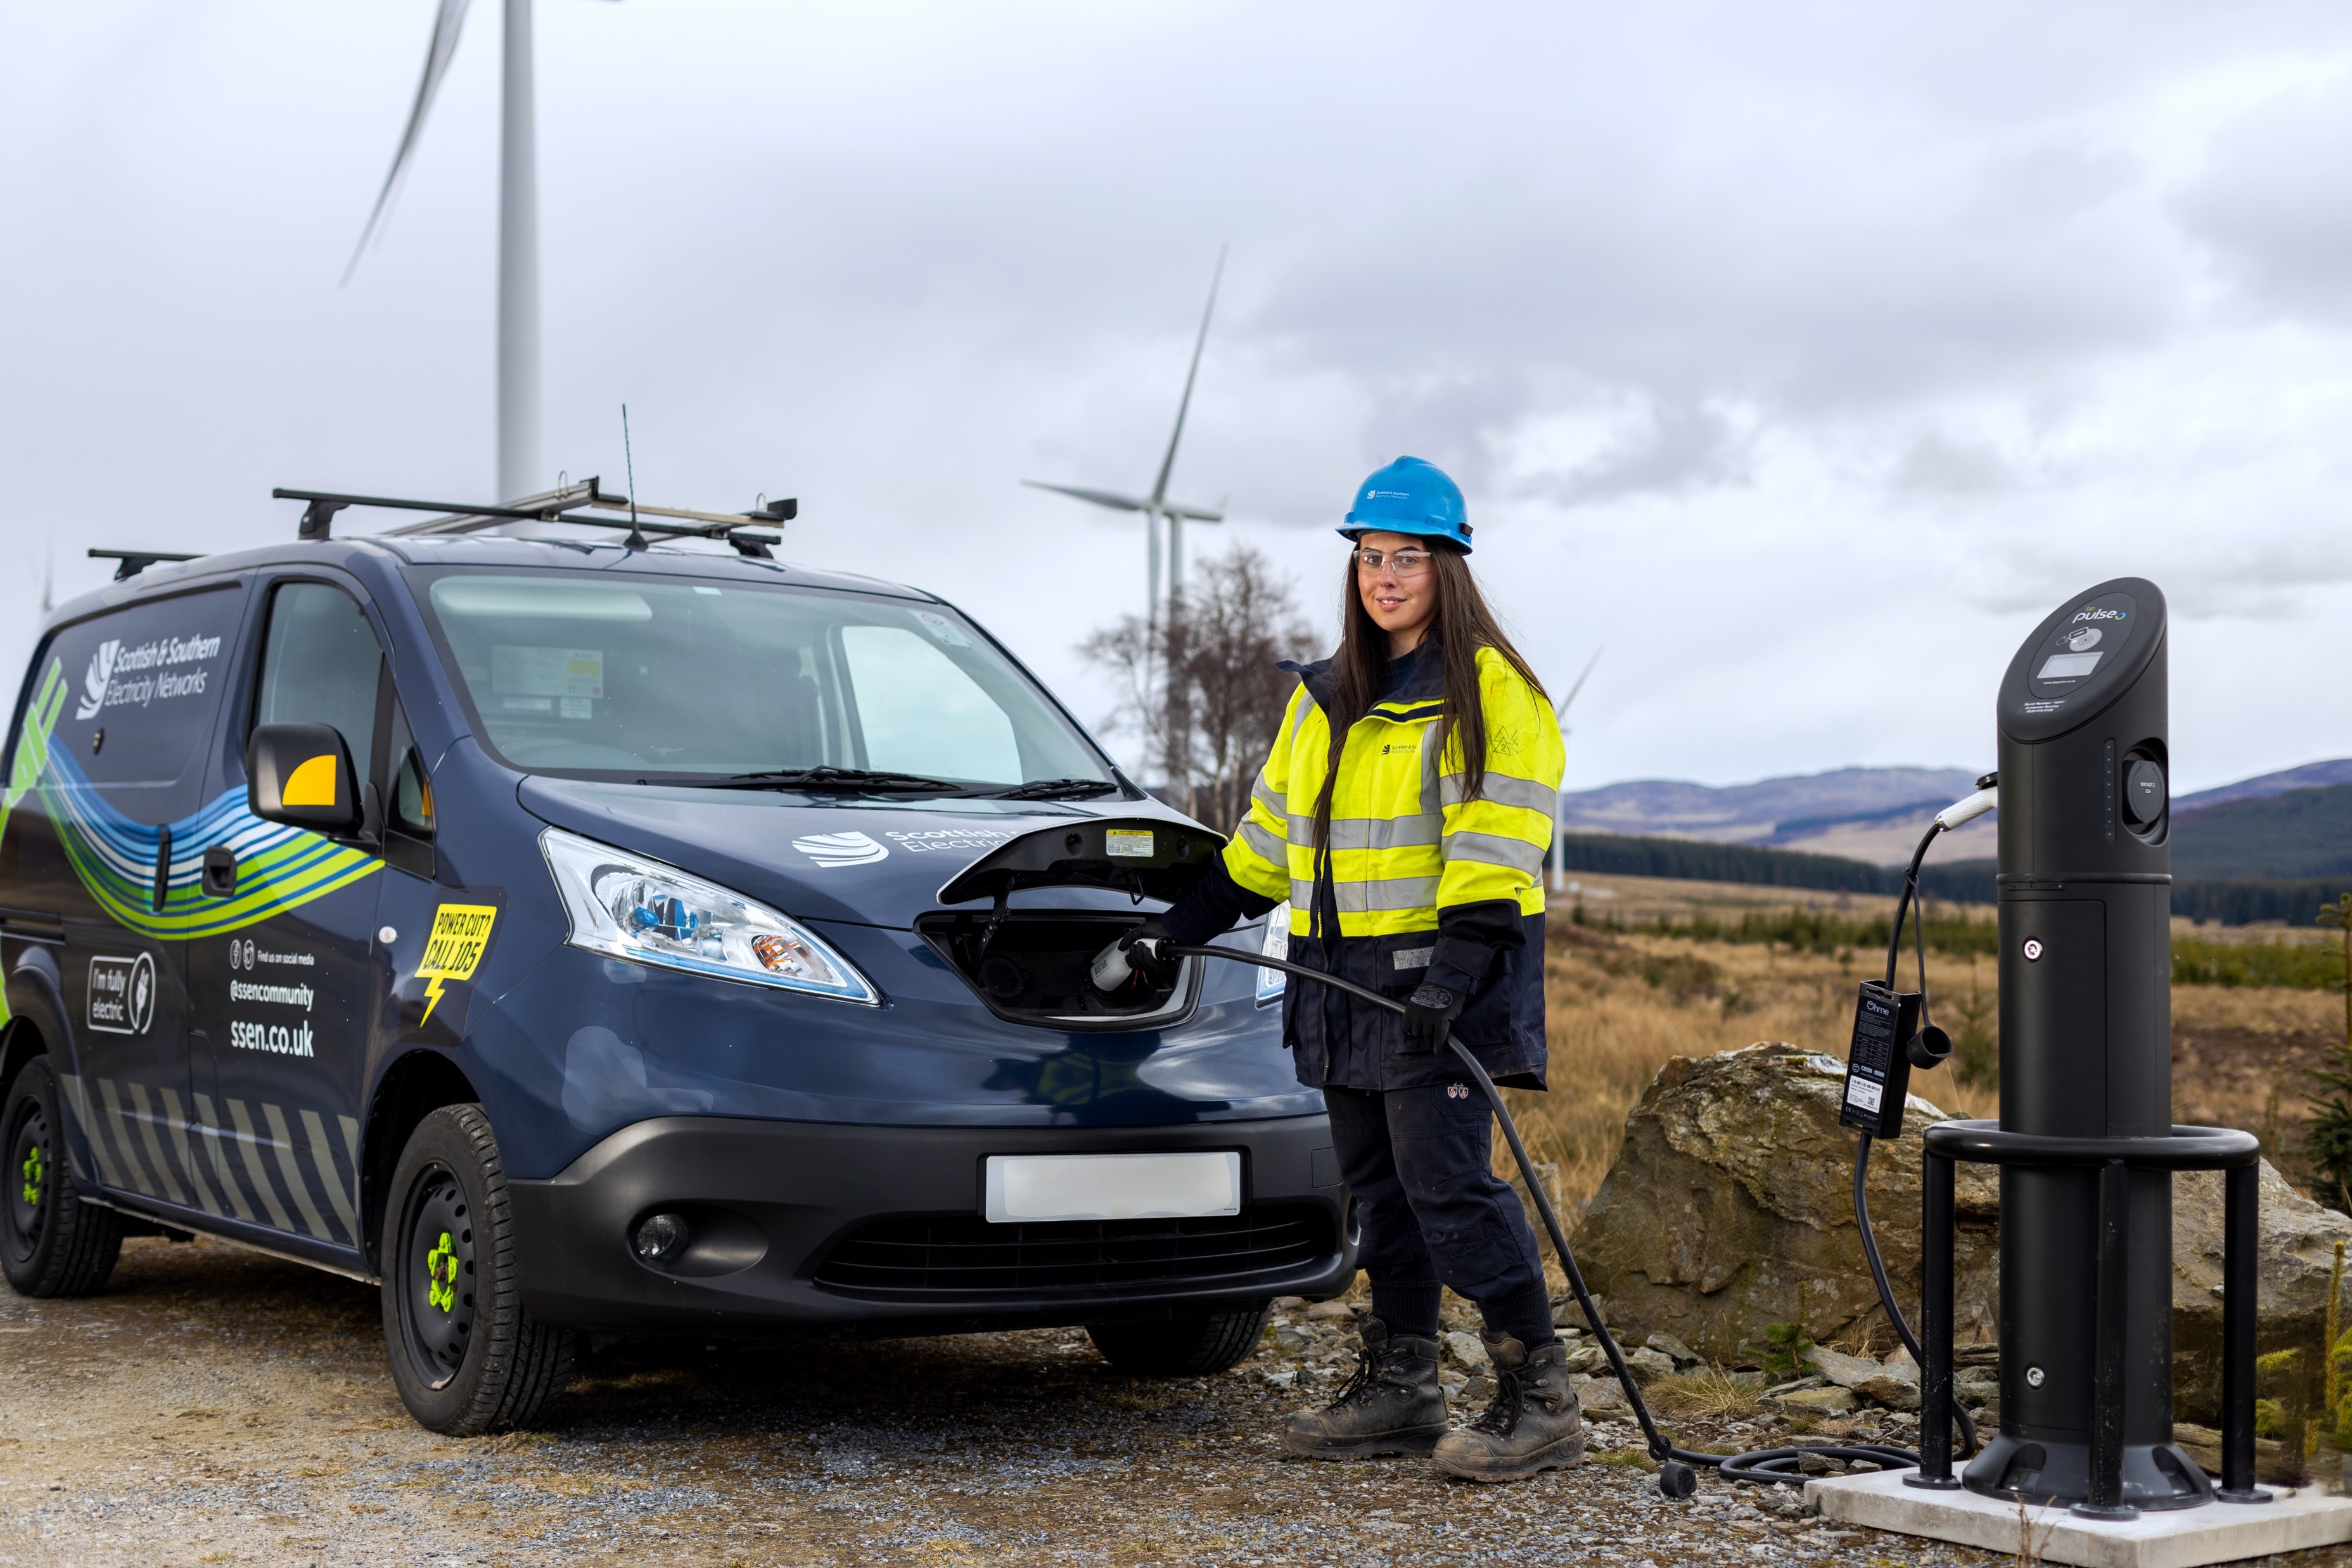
1059	789
828	777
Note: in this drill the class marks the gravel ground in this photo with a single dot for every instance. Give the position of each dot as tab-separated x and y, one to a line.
216	1405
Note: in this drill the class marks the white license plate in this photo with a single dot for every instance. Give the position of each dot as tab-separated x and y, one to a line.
1112	1186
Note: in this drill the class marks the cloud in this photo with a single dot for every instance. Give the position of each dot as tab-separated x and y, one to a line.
1811	351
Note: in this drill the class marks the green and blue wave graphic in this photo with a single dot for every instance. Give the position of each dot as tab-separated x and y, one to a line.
279	868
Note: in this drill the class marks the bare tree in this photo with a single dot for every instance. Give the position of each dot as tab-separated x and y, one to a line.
1204	692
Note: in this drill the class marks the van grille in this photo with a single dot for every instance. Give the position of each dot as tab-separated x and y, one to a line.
968	1256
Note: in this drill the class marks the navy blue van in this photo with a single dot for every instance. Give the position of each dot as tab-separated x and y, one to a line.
581	937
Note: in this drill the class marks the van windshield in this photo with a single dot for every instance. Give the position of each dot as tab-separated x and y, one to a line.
583	675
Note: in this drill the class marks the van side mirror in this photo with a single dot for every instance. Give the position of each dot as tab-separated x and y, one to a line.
300	775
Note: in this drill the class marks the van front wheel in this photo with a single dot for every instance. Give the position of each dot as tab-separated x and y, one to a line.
465	1356
1194	1346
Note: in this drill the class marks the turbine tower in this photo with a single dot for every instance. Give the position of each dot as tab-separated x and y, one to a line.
1156	506
519	410
1558	830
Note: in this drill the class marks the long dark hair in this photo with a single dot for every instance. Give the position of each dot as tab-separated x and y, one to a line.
1462	625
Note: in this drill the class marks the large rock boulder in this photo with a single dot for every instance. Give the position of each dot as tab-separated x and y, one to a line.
1730	1209
2294	1266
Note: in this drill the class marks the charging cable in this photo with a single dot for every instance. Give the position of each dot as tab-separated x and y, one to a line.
1929	1047
1677	1468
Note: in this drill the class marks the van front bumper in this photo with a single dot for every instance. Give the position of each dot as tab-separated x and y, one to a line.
835	1231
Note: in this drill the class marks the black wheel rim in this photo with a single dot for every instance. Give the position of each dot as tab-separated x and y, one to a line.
32	1172
436	1278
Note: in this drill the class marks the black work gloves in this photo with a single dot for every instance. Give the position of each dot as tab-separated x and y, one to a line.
1428	1013
1143	947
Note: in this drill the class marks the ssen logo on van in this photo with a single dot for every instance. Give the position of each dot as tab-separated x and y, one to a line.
121	995
830	849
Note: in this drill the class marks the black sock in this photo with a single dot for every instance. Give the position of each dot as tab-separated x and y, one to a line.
1408	1309
1525	1315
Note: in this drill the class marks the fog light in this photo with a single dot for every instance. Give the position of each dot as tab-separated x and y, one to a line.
662	1238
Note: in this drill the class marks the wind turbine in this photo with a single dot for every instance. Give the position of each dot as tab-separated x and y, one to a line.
1559	830
519	469
1156	505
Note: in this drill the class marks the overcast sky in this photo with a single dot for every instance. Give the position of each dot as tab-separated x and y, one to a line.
1801	356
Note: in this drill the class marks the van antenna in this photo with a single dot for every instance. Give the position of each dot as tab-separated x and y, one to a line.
636	539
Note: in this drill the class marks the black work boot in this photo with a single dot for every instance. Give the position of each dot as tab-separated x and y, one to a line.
1392	1405
1533	1425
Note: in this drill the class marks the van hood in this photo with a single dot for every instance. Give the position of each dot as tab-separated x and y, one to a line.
880	862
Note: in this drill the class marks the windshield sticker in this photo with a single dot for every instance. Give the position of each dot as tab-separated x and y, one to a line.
936	839
830	850
454	948
121	994
546	672
1130	842
942	628
113	678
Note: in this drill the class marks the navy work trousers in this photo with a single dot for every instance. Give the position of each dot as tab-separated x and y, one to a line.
1416	1161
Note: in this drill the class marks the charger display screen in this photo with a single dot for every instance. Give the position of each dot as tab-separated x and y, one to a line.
2077	650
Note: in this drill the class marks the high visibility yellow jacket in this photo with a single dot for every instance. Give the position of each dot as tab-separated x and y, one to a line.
1420	884
1405	844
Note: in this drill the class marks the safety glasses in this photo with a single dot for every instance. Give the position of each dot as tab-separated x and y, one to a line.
1404	562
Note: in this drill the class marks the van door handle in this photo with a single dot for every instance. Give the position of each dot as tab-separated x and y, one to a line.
220	871
162	868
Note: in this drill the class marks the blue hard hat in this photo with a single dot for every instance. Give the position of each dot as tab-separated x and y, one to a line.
1409	496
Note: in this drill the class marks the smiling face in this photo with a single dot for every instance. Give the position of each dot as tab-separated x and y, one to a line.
1402	605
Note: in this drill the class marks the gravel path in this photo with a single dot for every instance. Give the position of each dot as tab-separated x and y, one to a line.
219	1406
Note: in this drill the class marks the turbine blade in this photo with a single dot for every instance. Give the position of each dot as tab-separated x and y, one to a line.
447	22
1562	711
1110	498
1196	514
1167	464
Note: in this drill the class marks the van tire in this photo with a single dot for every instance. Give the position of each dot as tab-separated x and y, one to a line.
51	1244
1194	1346
465	1355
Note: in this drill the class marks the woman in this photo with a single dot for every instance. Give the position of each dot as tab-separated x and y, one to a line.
1404	812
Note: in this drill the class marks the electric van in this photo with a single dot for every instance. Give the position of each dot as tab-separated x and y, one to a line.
582	938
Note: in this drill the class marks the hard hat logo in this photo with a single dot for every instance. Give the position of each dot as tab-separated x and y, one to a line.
1411	496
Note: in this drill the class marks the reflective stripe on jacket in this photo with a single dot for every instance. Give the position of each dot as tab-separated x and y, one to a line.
1405	844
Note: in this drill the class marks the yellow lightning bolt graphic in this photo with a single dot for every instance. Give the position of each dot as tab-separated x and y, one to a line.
432	997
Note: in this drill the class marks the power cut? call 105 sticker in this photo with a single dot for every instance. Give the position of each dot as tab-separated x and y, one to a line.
454	949
1133	844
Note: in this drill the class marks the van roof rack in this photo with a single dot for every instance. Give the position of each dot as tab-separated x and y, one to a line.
134	562
570	504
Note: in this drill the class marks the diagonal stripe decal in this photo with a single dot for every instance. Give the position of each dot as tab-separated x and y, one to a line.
249	1147
323	1155
146	1119
198	1143
178	1123
210	1133
122	1143
282	1145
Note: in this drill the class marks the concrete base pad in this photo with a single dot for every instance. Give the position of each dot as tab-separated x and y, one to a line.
2177	1538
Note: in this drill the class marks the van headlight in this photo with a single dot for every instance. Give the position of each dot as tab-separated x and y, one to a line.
647	912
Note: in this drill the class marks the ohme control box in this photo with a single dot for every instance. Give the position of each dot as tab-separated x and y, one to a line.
1877	1067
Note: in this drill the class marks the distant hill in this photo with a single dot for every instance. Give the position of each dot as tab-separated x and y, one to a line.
2310	775
2295	834
2290	824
